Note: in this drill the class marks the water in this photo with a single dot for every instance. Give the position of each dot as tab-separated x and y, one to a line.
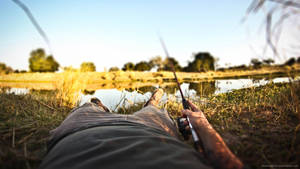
112	98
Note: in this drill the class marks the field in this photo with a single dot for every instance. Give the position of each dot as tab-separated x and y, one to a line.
259	124
102	78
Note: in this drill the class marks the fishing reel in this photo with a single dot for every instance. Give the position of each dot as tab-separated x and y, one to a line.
182	120
182	127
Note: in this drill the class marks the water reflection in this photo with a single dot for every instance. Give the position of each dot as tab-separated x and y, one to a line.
204	88
113	95
88	92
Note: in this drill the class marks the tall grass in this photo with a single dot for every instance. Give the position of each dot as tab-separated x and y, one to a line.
25	124
260	124
69	88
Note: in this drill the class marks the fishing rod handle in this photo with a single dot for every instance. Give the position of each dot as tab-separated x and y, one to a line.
185	104
194	134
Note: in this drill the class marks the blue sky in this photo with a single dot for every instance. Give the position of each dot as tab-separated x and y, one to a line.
113	32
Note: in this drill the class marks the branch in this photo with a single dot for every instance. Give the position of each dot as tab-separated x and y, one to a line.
34	22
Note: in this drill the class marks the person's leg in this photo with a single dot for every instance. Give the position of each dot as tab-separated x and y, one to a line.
99	104
90	114
154	117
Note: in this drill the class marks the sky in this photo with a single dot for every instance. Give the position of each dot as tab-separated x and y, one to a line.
113	32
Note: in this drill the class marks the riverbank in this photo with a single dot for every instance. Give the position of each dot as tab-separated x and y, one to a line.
259	124
135	76
132	80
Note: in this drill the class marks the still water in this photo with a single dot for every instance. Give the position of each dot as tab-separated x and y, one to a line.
113	98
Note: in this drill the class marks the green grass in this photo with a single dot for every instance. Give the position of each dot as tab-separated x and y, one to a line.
259	124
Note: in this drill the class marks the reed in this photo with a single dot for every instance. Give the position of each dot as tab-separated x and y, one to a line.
69	88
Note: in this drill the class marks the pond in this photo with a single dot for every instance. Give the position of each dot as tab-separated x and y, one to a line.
114	97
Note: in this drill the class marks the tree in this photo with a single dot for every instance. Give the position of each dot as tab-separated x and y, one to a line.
114	69
142	66
5	69
70	69
256	63
167	64
128	66
156	62
87	67
20	71
39	62
203	61
268	61
290	62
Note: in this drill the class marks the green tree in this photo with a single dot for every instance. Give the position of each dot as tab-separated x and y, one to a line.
39	62
268	61
203	61
142	66
114	69
5	69
168	63
290	61
87	67
256	63
156	62
128	66
70	69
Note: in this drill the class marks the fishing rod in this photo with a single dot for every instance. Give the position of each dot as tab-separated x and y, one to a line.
185	104
34	23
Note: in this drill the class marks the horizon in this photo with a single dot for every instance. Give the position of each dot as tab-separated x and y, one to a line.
111	34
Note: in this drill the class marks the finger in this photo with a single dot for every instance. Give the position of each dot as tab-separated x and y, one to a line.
186	112
187	128
193	106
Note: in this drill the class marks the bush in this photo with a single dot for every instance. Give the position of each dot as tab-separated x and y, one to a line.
114	69
39	62
87	67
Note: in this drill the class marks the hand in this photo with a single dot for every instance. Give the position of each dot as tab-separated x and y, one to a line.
192	106
195	115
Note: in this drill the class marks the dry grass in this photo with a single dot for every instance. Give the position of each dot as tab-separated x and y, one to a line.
134	76
25	124
69	88
260	125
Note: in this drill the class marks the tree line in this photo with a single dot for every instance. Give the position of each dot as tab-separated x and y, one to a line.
202	62
39	61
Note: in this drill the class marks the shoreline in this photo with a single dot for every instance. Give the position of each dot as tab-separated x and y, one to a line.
91	78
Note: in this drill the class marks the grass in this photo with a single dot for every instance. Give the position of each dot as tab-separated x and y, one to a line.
25	124
259	124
